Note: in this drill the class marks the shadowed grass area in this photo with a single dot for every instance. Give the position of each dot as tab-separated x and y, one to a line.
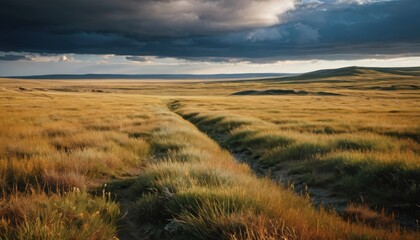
364	143
298	151
261	141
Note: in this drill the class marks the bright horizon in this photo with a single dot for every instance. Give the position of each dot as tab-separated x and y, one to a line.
96	64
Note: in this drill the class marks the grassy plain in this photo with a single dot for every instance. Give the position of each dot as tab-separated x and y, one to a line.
354	133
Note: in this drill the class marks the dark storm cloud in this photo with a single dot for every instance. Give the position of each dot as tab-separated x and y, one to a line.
218	30
142	18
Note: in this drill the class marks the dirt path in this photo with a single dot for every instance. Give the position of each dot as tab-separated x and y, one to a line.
320	196
128	228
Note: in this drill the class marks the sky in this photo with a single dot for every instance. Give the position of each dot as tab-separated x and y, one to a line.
205	37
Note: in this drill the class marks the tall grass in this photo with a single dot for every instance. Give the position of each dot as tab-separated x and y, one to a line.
73	215
49	149
55	144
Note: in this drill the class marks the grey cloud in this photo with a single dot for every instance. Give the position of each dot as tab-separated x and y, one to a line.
13	57
140	58
266	34
306	34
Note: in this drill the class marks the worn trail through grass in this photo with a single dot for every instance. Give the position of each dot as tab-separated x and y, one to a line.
191	188
319	195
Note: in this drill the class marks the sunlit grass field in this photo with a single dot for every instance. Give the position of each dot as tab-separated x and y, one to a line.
189	160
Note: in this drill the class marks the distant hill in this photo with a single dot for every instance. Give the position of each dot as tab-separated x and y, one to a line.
153	76
355	71
283	92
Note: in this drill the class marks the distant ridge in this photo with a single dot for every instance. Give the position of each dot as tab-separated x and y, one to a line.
283	92
353	71
152	76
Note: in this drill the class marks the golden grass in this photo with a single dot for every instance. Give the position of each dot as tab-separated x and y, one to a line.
53	144
60	135
69	138
74	215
